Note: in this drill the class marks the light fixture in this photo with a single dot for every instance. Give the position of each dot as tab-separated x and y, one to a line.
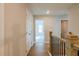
47	12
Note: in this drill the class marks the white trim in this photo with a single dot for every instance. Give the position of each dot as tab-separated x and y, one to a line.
49	53
29	49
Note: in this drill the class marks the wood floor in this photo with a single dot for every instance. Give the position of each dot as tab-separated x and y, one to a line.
39	49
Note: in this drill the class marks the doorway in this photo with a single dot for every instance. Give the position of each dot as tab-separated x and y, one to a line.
64	28
39	31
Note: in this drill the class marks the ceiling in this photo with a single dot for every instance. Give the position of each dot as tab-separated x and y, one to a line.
54	8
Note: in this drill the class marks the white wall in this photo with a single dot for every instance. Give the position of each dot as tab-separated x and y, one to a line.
50	24
57	28
29	30
1	29
74	19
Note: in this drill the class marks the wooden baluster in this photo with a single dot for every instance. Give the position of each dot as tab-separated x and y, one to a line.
51	50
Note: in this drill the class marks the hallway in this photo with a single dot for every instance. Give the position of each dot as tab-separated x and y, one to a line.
57	28
39	49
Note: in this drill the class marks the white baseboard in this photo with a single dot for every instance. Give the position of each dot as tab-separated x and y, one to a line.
27	52
30	48
49	53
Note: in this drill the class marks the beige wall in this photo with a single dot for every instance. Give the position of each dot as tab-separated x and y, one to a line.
15	27
15	22
50	24
1	29
74	19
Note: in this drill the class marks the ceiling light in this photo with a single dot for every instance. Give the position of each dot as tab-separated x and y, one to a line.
48	12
